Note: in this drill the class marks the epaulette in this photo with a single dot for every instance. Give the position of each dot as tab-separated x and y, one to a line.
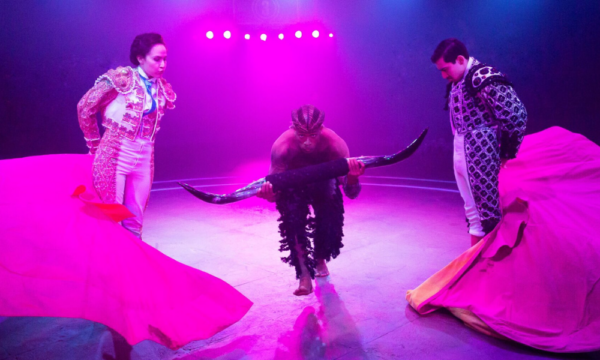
481	75
120	78
170	95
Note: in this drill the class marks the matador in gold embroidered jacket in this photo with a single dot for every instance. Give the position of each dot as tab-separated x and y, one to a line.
121	98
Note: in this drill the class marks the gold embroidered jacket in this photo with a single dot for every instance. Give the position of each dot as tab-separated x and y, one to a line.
120	96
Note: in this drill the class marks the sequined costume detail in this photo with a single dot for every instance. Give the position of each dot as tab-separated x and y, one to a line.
119	96
105	166
93	101
483	166
485	109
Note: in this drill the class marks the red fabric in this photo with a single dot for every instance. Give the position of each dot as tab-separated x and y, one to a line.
116	212
64	257
536	278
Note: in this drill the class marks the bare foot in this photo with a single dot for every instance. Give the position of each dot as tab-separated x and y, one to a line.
305	287
322	270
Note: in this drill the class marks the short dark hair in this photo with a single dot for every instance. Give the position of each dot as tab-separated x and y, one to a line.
449	49
142	44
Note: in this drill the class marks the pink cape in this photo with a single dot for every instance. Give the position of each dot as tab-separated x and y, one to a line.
536	278
63	255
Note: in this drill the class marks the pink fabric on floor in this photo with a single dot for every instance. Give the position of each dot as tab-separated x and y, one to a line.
62	256
536	278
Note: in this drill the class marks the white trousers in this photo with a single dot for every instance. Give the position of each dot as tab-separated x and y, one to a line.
464	187
134	180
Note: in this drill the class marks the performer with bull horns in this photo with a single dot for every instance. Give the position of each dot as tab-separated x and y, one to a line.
308	164
307	142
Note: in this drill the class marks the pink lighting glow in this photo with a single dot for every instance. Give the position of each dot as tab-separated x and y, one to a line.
263	37
330	35
210	35
298	34
247	36
227	34
315	34
280	36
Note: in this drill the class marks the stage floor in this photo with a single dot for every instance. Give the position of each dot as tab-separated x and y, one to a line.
398	232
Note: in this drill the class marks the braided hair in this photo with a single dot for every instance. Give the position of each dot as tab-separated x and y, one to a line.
307	119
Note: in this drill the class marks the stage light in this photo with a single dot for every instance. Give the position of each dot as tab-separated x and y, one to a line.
315	34
298	34
210	35
330	35
227	34
280	36
263	37
247	36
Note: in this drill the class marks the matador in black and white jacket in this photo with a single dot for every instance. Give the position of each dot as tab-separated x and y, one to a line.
488	122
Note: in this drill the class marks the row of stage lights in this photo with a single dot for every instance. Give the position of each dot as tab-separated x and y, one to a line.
227	35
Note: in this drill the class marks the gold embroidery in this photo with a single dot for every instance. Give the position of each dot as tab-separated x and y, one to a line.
121	79
168	93
104	168
129	85
106	150
148	123
96	98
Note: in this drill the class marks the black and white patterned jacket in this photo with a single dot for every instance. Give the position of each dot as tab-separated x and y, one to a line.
483	100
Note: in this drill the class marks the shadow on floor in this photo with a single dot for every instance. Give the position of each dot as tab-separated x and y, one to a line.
328	333
304	341
339	329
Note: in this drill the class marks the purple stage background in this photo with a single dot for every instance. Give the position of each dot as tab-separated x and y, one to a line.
373	79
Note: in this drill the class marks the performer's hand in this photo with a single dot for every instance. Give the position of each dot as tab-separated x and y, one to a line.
266	192
357	168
